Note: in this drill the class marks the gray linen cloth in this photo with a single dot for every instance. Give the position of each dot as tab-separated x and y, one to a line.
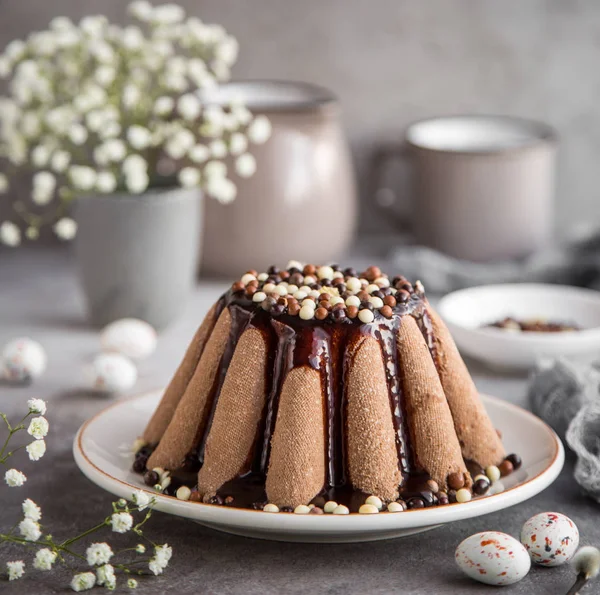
576	261
566	395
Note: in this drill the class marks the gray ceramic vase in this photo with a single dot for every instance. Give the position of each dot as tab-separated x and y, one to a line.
137	255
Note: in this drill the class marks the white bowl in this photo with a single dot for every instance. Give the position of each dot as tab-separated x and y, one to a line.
102	450
466	312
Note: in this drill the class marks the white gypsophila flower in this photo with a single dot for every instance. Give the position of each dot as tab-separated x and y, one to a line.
98	554
37	406
238	143
168	14
65	229
241	113
60	161
61	23
121	522
223	189
136	181
141	10
189	177
36	450
259	130
40	156
163	105
180	143
196	69
32	233
3	183
10	234
82	177
105	576
93	25
132	38
131	96
31	510
95	120
220	70
14	478
141	499
106	182
227	50
68	38
105	75
101	50
38	427
30	529
162	555
78	134
16	150
245	165
110	130
213	116
199	153
134	163
44	184
218	148
138	137
189	106
83	581
30	125
15	569
175	81
132	583
15	50
5	68
44	559
140	548
115	149
215	169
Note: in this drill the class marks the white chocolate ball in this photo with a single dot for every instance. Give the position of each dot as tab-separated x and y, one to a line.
294	264
113	372
131	337
247	278
353	284
366	316
183	493
395	507
493	473
300	295
301	509
307	313
368	509
372	287
376	301
330	506
463	495
23	359
263	277
308	304
352	301
271	508
268	288
375	501
325	272
259	296
341	509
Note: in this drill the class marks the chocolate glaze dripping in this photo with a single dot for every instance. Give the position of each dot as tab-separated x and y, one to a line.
325	346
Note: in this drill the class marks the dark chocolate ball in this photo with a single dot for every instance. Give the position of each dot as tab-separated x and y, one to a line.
515	460
151	478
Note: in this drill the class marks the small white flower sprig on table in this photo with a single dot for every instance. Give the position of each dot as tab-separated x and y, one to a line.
99	556
98	108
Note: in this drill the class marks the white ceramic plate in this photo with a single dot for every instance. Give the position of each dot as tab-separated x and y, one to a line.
102	451
467	310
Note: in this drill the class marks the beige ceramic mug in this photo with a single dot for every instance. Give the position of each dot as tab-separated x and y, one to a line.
482	186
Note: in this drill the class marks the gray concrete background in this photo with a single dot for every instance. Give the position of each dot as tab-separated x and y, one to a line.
393	61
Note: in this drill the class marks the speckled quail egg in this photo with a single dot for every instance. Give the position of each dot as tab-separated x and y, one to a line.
113	372
493	558
551	538
131	337
23	359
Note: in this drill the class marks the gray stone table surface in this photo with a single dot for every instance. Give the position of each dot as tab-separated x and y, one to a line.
39	297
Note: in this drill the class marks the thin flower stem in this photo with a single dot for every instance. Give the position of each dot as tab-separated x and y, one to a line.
84	534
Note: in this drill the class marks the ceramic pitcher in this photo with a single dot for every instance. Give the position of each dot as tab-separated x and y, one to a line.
301	202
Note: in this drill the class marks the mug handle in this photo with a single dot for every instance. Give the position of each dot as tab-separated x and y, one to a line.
381	195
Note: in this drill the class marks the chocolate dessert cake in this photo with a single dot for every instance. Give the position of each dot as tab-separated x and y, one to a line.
320	389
